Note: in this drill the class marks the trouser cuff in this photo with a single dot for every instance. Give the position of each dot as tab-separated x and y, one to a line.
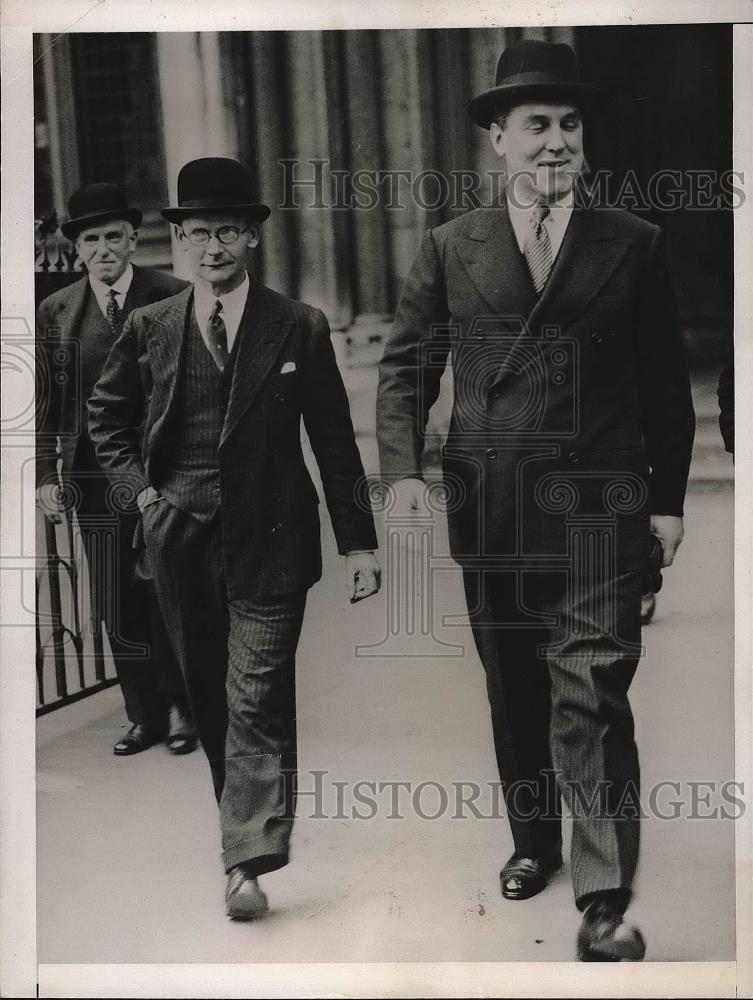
257	859
618	899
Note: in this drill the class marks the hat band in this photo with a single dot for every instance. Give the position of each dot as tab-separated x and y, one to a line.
91	212
211	202
536	79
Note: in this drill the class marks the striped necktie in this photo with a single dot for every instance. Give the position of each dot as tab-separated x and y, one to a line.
217	336
113	311
537	248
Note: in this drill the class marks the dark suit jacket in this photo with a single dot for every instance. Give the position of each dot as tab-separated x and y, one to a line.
726	394
556	398
270	521
62	410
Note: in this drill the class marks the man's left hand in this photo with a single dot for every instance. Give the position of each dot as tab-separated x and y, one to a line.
669	530
363	575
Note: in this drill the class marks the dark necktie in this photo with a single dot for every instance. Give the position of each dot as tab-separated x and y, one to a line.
217	336
113	311
537	248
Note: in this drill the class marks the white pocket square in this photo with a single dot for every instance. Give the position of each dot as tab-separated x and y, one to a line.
287	368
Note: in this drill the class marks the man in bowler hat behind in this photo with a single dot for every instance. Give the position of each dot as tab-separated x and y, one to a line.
224	372
569	442
76	327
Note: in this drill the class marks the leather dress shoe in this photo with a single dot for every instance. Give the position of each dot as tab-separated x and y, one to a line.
605	937
182	737
138	738
523	877
648	607
244	900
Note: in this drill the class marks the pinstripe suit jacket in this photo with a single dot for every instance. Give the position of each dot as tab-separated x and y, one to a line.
59	316
568	405
284	369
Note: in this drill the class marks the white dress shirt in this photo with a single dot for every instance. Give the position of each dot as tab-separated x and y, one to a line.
556	222
121	286
233	304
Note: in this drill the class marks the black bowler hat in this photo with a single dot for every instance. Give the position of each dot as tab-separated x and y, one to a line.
216	184
96	203
532	70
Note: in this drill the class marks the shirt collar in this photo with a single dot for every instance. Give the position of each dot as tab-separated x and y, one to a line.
233	304
557	218
121	286
231	301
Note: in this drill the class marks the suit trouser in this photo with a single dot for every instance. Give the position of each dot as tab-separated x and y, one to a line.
558	692
124	600
238	658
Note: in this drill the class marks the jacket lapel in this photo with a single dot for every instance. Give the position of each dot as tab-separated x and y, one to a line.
69	320
587	258
165	338
136	294
589	255
71	314
496	266
261	336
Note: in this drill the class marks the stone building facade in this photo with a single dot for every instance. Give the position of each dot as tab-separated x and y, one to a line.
359	141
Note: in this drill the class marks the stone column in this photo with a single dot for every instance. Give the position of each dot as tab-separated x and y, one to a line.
197	120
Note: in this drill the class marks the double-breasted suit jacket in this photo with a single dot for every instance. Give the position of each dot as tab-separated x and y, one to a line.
284	369
572	422
59	320
572	403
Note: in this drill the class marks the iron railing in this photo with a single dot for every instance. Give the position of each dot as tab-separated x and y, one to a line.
62	605
60	643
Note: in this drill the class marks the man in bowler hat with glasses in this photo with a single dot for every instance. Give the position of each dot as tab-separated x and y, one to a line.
223	374
76	327
569	443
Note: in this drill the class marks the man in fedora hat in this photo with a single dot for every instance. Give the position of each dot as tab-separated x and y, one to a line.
569	442
224	372
76	327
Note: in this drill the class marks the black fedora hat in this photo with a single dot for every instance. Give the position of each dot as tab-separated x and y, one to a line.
96	203
532	70
216	184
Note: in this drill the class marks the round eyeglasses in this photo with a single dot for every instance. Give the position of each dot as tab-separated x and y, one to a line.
225	234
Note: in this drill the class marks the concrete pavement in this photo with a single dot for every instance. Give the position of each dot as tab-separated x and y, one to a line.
128	847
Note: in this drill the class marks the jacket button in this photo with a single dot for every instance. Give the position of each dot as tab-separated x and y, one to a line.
491	453
573	456
597	338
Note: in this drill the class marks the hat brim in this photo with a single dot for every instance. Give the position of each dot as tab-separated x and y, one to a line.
256	213
74	227
486	107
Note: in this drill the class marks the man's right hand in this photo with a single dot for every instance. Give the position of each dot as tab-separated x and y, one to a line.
410	505
148	495
48	501
409	498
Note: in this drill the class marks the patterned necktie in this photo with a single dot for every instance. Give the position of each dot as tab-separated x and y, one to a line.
537	249
113	311
217	336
